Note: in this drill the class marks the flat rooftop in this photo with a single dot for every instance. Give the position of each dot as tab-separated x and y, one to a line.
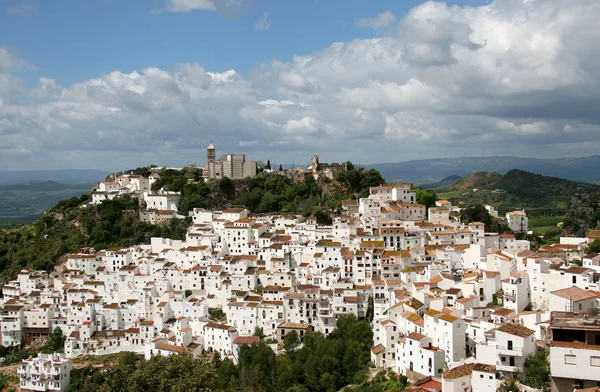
575	320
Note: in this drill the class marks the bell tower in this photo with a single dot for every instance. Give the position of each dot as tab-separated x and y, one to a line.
211	154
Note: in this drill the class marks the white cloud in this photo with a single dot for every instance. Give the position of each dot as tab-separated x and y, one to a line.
508	78
230	7
263	23
22	9
384	19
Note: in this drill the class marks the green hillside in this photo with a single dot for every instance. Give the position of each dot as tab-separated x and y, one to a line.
444	183
538	195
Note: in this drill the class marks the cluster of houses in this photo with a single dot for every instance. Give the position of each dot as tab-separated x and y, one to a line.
452	306
155	206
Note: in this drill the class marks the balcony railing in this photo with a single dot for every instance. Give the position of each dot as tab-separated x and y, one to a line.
512	351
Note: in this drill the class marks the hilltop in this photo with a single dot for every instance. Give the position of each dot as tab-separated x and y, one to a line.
539	195
74	223
433	170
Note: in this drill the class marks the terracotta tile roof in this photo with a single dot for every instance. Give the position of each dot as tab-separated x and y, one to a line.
465	300
516	329
169	347
503	312
459	371
576	270
246	340
295	326
432	312
378	349
416	336
217	325
485	368
573	293
448	317
577	345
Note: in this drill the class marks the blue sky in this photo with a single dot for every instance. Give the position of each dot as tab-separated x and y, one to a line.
71	41
114	84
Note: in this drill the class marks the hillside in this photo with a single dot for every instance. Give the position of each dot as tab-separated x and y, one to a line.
433	170
28	201
444	183
73	223
476	181
539	195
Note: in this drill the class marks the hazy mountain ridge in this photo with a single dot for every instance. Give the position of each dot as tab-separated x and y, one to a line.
67	176
27	201
433	170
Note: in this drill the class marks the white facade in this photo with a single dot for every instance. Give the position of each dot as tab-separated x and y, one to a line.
46	372
517	221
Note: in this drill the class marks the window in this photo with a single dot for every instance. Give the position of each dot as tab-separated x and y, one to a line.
569	359
595	361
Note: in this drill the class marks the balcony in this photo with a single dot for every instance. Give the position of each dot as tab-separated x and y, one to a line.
507	368
509	351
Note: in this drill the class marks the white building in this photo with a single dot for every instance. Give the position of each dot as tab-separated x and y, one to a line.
517	221
46	372
574	351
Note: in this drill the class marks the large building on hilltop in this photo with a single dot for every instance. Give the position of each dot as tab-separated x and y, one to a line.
234	166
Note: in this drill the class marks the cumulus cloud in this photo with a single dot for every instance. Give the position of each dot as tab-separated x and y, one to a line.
384	19
510	77
229	7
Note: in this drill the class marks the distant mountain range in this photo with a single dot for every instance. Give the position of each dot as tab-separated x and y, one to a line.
68	176
433	170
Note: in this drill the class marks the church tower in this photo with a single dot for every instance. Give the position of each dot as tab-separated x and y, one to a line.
211	154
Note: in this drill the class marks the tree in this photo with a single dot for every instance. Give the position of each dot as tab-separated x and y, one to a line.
56	342
594	246
538	371
187	293
227	187
258	331
291	342
478	213
268	165
427	198
370	309
280	167
509	386
297	388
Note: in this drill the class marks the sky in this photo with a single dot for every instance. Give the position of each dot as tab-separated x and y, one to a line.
119	84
